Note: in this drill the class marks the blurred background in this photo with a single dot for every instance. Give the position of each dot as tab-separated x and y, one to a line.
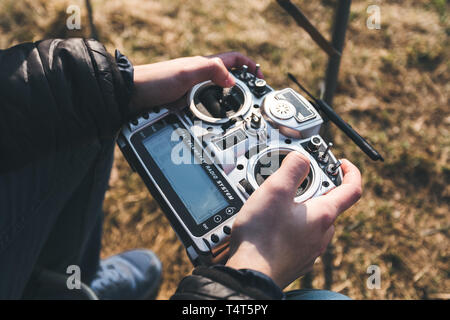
393	89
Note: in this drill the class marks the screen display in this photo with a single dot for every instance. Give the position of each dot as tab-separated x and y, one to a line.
188	179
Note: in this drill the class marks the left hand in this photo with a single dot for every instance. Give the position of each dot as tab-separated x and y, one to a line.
166	82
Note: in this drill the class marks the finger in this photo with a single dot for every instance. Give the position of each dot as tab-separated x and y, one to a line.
349	192
199	69
218	73
327	208
286	180
236	60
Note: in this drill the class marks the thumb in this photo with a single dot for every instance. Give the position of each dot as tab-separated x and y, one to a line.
199	69
286	180
218	73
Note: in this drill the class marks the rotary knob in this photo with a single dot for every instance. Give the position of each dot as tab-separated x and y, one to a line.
282	109
260	85
314	144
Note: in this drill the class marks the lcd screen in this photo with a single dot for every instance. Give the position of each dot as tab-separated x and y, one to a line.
189	180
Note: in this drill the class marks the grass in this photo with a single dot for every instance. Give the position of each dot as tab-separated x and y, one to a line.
394	89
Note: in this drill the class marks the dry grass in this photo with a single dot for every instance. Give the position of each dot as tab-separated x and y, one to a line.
394	88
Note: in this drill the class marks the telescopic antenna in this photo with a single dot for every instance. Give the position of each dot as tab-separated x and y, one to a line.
341	124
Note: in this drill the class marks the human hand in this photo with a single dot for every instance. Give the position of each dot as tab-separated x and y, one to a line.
280	238
166	82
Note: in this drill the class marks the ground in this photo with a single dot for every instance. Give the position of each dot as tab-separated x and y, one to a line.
393	88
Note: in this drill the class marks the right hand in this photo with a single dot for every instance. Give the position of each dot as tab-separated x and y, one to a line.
280	238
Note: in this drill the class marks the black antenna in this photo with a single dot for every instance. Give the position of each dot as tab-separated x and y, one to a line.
341	124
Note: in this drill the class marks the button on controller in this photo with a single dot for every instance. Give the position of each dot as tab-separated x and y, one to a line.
227	230
230	210
215	238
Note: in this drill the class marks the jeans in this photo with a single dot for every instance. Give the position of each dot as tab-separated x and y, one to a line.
51	218
313	294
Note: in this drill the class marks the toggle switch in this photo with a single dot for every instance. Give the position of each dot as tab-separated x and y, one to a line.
255	121
323	155
244	70
333	169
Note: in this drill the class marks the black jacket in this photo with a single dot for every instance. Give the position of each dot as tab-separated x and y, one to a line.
59	93
56	93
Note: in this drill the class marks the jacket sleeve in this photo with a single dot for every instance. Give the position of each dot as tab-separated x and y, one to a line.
55	94
224	283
